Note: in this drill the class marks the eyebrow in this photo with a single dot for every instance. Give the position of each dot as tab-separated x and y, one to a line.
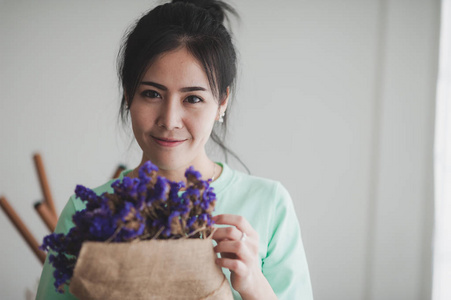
184	89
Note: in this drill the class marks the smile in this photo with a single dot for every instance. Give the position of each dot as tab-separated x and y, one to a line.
166	142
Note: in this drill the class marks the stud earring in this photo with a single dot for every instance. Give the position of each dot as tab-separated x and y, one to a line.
221	117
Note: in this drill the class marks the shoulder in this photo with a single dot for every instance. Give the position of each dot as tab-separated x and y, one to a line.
245	191
254	181
251	184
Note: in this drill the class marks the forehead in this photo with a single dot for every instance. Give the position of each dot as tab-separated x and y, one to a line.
177	68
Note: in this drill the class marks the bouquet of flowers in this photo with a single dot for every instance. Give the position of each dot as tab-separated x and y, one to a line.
147	239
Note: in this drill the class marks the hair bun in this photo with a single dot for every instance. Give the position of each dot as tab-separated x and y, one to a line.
216	8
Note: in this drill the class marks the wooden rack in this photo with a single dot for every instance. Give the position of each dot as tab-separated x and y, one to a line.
45	208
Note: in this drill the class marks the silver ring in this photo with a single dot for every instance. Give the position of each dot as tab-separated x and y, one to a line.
243	237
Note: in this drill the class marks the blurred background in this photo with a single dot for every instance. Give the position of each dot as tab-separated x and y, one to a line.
335	99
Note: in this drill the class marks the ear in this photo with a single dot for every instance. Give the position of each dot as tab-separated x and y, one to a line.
223	106
127	102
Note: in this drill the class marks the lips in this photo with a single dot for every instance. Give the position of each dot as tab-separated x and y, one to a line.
168	142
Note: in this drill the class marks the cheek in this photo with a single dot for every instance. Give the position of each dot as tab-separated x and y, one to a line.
202	126
135	122
140	118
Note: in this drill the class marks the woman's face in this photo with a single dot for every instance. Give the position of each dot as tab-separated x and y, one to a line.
173	112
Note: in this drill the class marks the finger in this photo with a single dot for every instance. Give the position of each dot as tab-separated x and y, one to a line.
233	247
228	255
238	221
233	265
227	233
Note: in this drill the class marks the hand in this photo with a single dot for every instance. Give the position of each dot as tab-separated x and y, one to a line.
238	246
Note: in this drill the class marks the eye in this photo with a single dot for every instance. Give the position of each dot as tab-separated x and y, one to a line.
150	94
193	99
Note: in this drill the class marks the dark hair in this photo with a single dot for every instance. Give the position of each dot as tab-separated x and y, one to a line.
196	25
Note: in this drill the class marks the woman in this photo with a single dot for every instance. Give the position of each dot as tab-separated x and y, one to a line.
177	68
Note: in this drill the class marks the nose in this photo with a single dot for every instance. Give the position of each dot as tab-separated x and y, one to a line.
170	116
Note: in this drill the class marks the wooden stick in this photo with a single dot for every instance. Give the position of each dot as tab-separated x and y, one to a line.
118	171
23	230
46	215
44	184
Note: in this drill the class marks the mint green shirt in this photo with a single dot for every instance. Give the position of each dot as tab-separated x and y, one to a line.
267	206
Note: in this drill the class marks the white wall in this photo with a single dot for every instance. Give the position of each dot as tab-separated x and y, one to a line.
335	100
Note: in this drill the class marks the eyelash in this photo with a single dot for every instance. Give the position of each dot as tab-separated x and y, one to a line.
150	94
191	97
153	94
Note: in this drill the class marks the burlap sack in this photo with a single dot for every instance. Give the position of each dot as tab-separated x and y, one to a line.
156	269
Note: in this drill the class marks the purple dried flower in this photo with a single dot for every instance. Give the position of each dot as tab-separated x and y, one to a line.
208	197
191	221
133	222
146	170
192	175
64	268
192	194
206	219
101	228
85	194
146	207
174	190
161	188
127	188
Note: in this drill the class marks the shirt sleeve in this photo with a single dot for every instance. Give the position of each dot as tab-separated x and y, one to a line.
285	265
46	288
